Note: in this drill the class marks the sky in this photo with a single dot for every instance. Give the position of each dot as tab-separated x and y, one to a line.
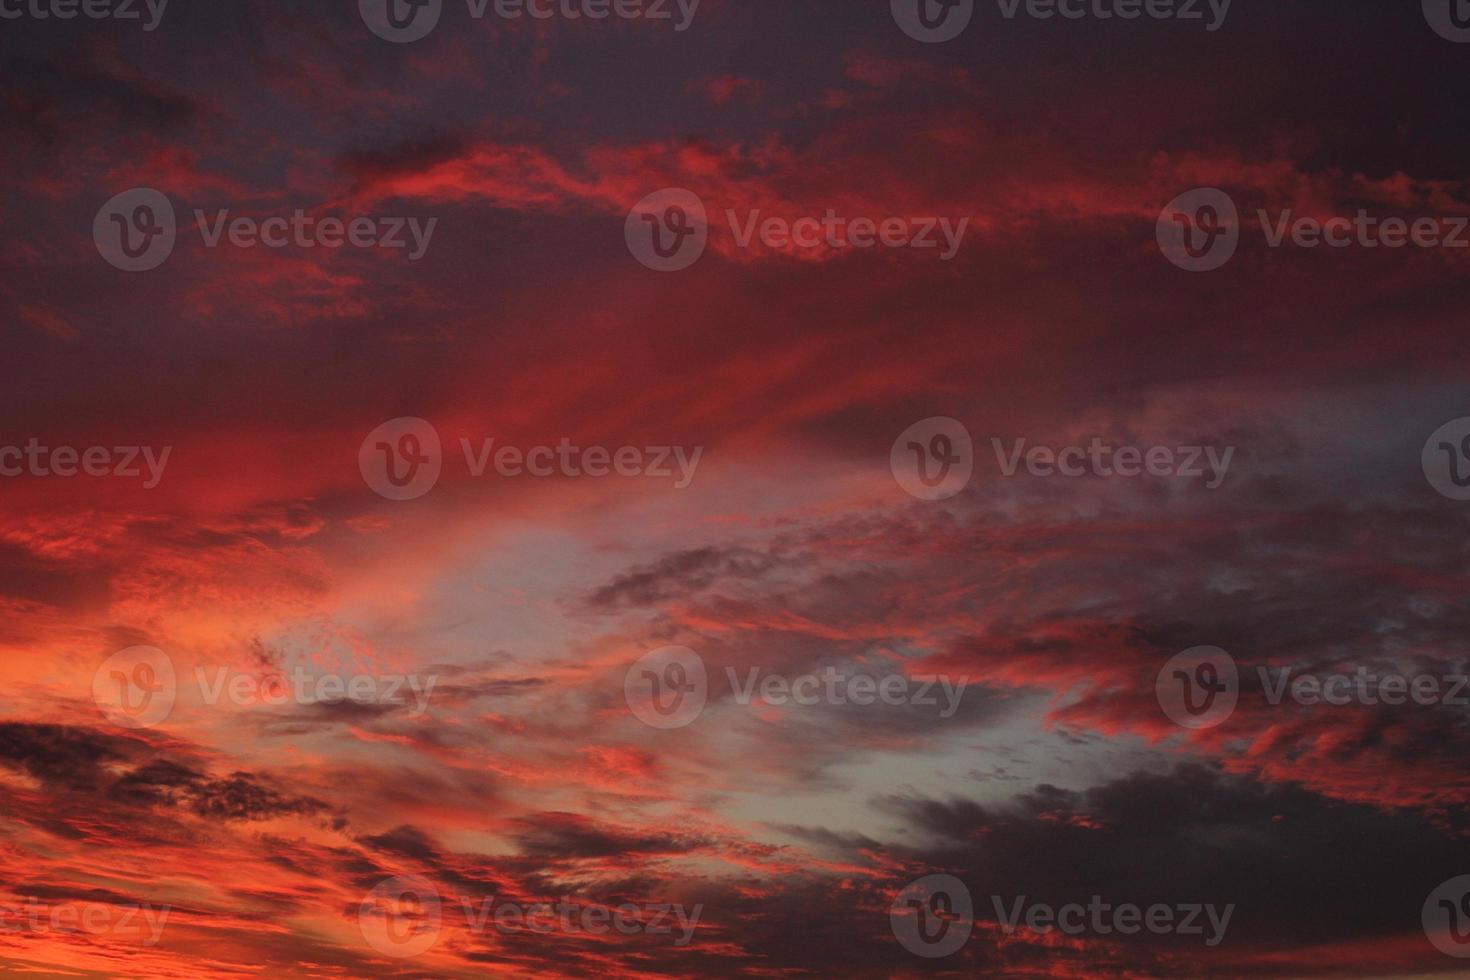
747	488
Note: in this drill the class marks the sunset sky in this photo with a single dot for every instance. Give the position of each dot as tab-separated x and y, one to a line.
510	763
